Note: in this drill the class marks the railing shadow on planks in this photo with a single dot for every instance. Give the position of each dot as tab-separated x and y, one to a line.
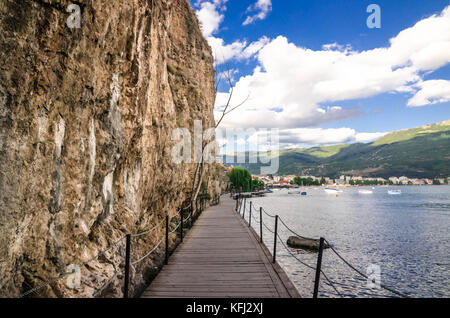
241	208
183	224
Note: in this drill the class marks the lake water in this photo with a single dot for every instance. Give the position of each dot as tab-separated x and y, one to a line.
407	236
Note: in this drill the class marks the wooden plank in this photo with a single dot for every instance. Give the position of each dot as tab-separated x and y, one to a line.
220	258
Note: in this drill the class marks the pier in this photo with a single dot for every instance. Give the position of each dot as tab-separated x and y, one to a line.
221	257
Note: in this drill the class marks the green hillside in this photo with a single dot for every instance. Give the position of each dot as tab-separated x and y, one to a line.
422	152
408	134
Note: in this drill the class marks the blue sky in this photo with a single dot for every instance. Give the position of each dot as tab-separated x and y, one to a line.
371	79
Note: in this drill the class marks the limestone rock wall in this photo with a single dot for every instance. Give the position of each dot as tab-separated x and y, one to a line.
86	116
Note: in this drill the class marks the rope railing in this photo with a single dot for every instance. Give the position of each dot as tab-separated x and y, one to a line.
46	284
188	217
254	218
103	252
267	228
180	225
290	230
294	256
176	228
363	275
148	254
61	276
109	282
332	284
268	214
318	269
147	231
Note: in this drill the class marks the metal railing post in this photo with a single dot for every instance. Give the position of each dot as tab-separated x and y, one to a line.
237	203
250	216
275	240
261	224
245	203
127	266
318	268
181	225
241	201
166	261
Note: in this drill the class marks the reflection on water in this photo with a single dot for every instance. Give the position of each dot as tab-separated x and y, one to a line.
406	235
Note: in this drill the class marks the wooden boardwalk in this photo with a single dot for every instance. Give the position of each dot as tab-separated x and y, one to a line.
221	257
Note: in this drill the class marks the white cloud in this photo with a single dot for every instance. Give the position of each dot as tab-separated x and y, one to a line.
369	137
299	137
336	46
211	15
262	9
254	48
292	84
431	92
319	136
224	52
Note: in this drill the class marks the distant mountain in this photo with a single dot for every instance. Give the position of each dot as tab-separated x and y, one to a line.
422	152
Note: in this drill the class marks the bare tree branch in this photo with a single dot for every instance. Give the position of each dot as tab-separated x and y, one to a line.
200	169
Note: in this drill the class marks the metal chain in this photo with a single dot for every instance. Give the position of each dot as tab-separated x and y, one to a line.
268	228
103	252
269	215
148	254
326	277
173	231
309	266
331	284
254	218
46	284
188	217
289	229
98	292
179	223
289	251
61	276
363	275
148	231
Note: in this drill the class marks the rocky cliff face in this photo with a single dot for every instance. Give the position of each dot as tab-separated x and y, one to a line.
86	116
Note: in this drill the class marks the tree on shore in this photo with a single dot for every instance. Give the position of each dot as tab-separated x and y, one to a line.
308	181
226	109
257	184
241	179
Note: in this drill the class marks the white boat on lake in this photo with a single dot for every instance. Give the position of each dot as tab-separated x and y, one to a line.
395	192
365	192
331	191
